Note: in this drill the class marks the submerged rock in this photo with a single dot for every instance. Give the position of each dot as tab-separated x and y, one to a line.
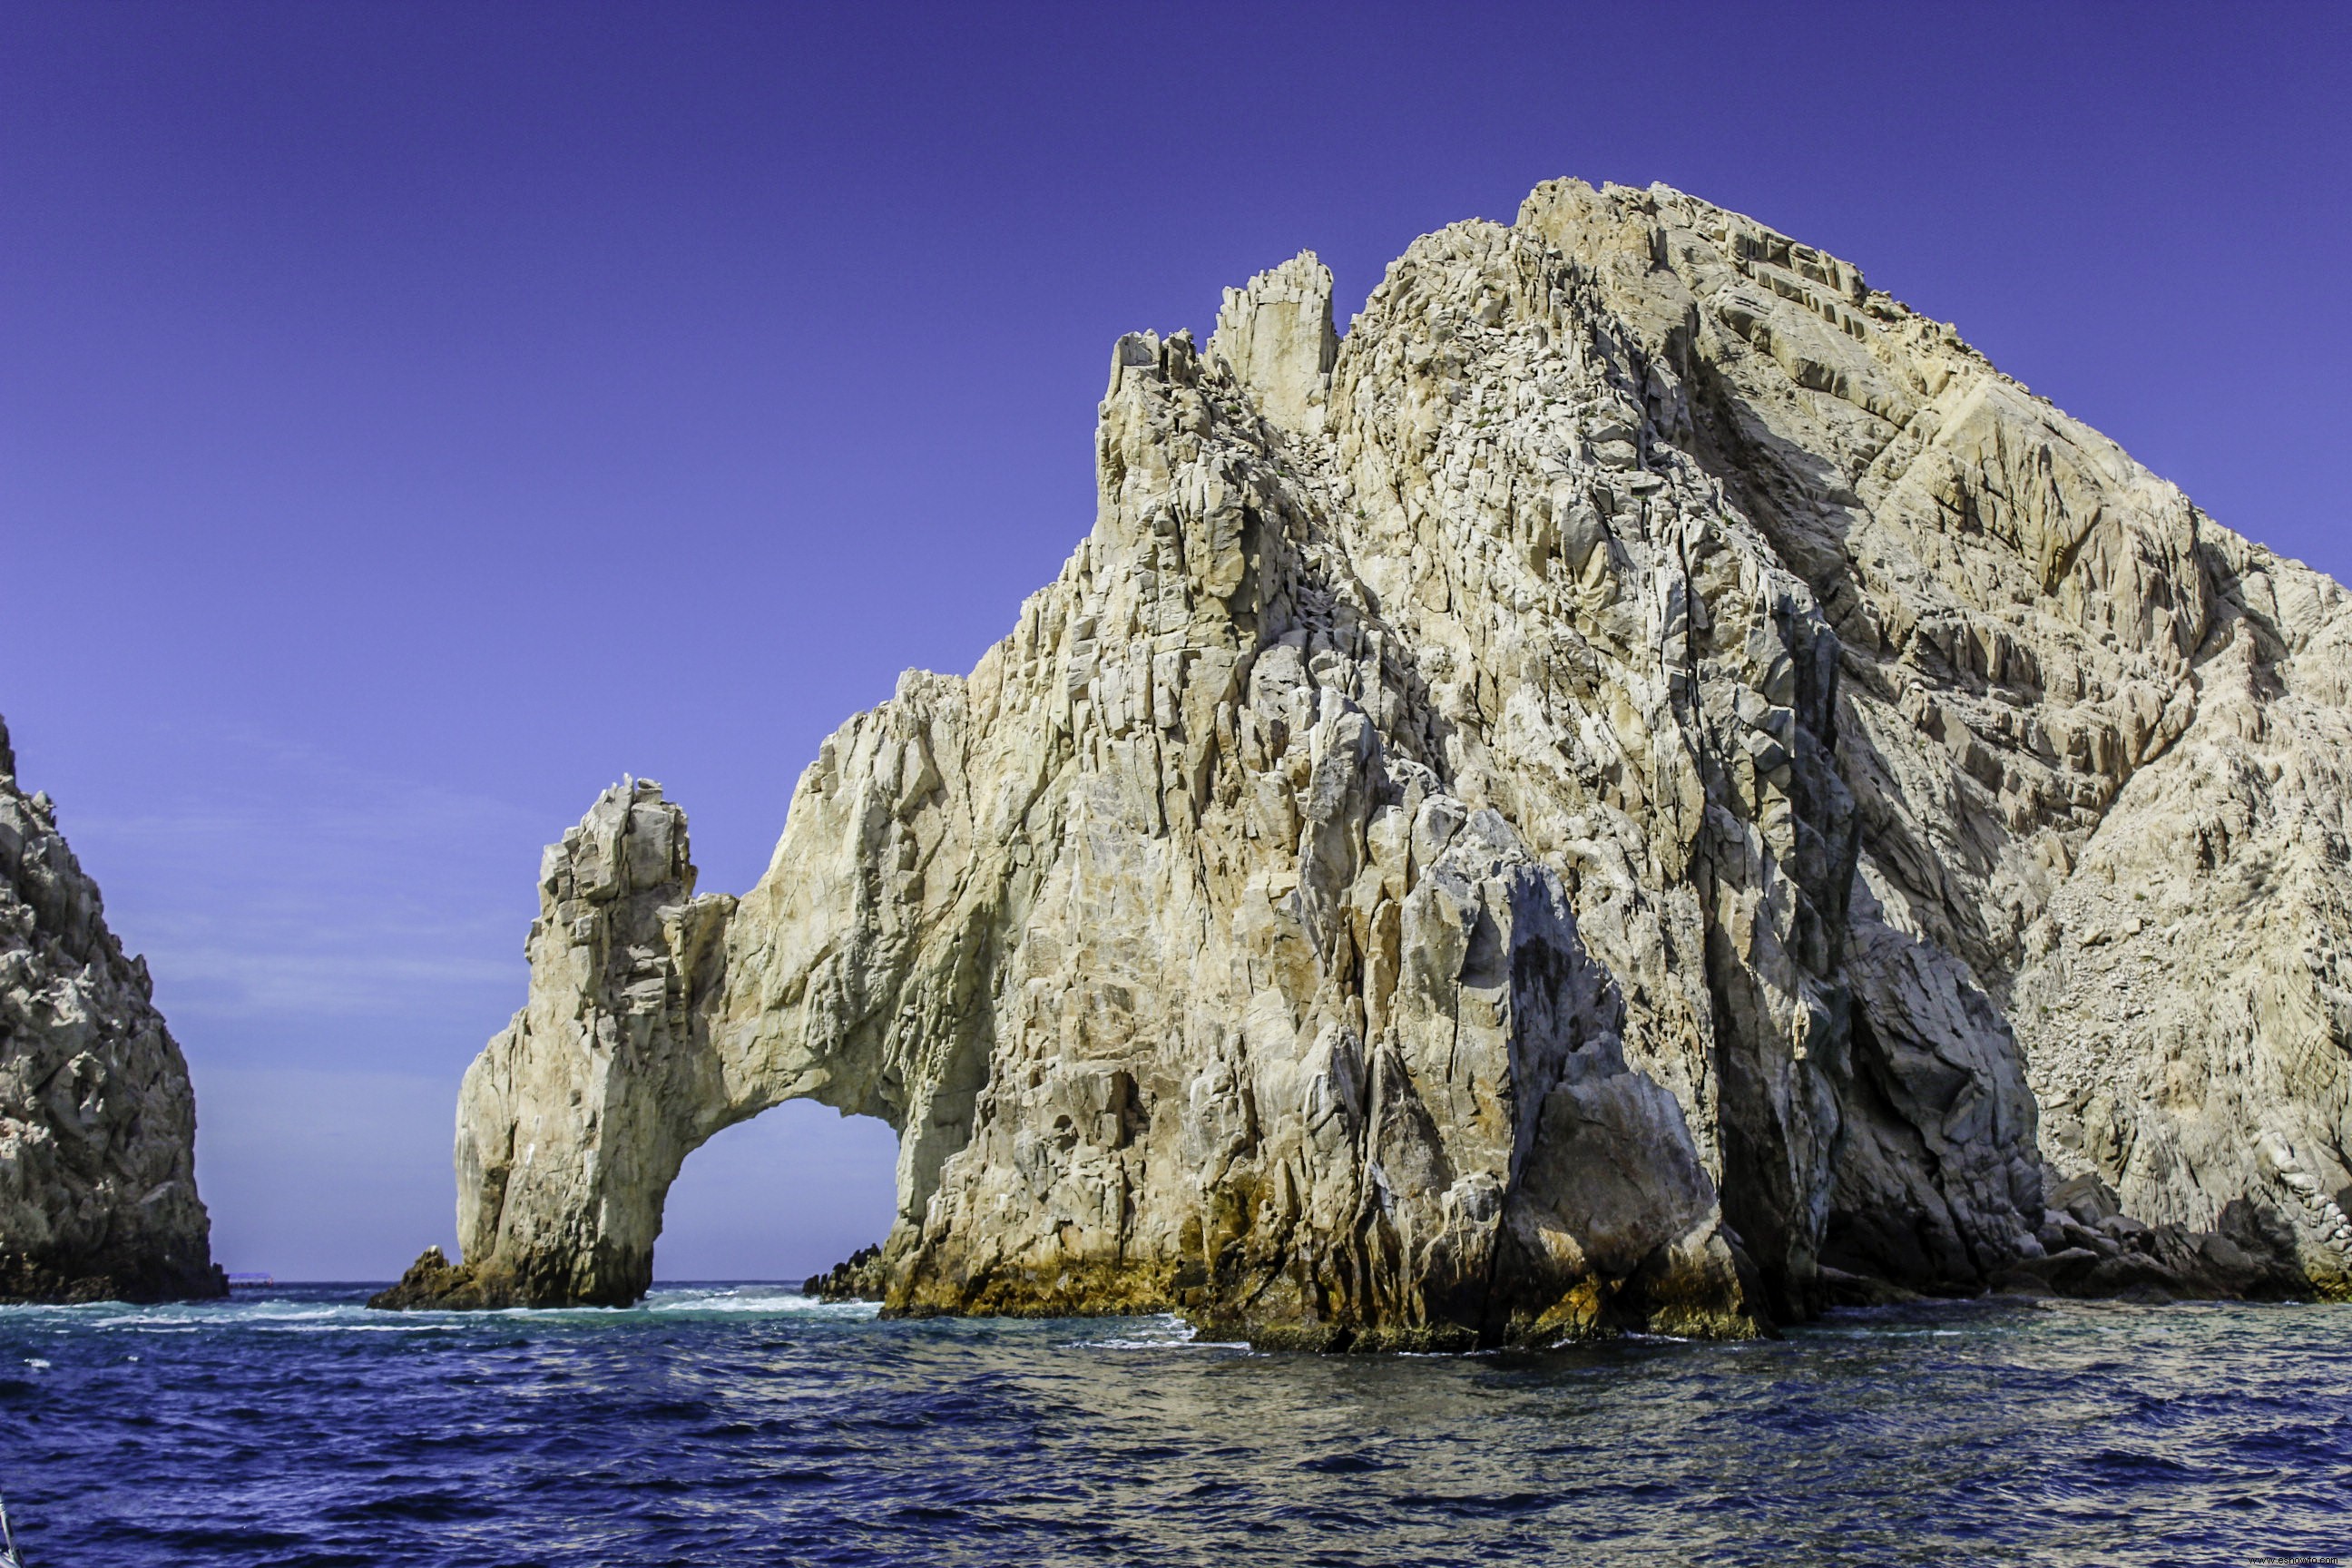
98	1121
1649	788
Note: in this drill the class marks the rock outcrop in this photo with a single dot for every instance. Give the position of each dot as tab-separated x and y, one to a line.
573	1122
857	1278
97	1123
1649	788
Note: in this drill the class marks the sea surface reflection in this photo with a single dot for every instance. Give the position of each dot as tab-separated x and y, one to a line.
729	1425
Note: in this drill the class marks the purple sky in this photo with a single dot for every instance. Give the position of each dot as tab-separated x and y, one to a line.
413	416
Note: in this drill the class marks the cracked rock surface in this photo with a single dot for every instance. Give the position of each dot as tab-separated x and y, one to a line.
1648	787
97	1123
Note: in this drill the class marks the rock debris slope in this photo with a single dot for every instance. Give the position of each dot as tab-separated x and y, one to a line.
1649	788
97	1123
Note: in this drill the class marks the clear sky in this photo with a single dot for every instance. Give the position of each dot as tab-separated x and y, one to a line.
414	415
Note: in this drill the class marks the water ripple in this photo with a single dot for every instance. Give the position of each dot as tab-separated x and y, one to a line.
747	1425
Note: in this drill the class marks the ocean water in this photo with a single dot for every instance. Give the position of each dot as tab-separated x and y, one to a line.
746	1424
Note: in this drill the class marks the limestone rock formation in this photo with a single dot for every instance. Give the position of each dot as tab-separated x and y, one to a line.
573	1121
1647	787
97	1123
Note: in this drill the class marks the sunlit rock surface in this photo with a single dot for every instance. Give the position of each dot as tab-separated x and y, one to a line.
97	1123
1646	788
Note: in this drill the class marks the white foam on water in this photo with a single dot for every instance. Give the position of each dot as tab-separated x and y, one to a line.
1173	1334
280	1314
365	1328
756	1298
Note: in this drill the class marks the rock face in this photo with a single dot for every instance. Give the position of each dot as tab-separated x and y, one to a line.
97	1123
1649	788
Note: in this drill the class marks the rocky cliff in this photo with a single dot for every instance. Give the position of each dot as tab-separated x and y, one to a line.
97	1125
1647	787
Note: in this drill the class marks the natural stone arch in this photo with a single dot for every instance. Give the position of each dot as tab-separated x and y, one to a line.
647	1032
1205	957
1535	820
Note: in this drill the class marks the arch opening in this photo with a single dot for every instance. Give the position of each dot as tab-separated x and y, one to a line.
778	1197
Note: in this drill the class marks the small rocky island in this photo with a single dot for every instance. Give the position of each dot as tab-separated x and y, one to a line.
1649	788
98	1122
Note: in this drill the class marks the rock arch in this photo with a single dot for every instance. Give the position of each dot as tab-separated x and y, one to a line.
1198	946
634	1049
1535	820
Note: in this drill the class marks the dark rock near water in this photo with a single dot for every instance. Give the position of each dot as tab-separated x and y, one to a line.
857	1278
98	1121
435	1282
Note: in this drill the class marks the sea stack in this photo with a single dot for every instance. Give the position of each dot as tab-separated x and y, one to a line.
1648	787
98	1122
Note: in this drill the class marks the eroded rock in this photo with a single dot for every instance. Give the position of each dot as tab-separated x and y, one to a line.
1606	800
98	1122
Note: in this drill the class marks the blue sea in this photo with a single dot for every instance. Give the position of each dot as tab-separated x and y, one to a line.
745	1424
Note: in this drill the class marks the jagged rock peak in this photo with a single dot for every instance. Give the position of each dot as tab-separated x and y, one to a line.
98	1187
1649	788
1276	338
